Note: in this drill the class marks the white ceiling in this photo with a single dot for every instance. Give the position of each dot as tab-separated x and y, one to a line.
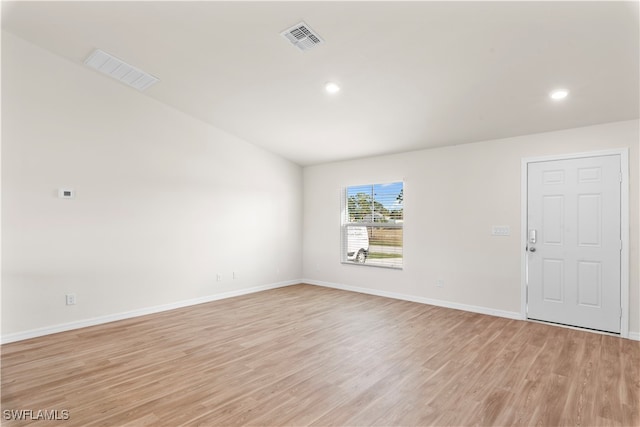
413	74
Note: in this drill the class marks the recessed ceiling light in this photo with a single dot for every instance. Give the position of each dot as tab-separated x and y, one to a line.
332	87
559	94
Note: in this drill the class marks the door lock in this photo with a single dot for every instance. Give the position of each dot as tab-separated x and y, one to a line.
532	249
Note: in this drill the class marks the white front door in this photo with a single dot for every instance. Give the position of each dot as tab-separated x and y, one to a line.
574	242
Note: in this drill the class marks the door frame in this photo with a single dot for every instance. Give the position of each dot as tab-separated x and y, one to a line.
624	224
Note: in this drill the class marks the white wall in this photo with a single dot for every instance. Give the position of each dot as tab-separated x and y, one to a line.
453	196
164	202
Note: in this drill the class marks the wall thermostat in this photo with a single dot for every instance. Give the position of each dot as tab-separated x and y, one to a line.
66	193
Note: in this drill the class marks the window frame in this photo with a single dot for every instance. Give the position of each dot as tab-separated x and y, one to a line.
345	224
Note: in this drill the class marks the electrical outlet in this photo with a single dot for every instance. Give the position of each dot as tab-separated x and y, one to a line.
235	275
439	283
219	277
71	299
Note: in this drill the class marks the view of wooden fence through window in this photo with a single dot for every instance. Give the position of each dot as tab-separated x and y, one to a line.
373	224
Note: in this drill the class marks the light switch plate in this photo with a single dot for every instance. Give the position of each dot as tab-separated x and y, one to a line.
500	230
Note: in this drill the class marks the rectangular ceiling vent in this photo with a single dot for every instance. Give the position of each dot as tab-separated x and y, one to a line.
120	70
302	36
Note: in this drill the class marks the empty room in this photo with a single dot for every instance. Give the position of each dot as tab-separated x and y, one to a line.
340	213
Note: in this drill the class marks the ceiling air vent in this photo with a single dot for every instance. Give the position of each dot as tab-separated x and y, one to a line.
120	70
302	36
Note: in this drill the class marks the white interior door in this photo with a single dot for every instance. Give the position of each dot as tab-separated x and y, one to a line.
574	242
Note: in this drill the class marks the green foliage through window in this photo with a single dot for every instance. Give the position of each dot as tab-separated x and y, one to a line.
375	203
372	228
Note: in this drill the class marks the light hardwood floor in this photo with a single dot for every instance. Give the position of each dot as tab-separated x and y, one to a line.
305	355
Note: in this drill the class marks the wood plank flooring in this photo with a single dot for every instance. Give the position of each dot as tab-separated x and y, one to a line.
305	355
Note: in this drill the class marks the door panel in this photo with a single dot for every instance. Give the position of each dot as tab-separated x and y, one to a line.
573	268
589	220
552	280
589	283
553	219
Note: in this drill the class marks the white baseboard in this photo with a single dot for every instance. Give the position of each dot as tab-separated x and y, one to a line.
472	308
422	300
33	333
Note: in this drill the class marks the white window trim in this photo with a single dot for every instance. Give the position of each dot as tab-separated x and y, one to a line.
344	224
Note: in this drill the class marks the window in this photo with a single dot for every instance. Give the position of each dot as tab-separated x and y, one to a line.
372	224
